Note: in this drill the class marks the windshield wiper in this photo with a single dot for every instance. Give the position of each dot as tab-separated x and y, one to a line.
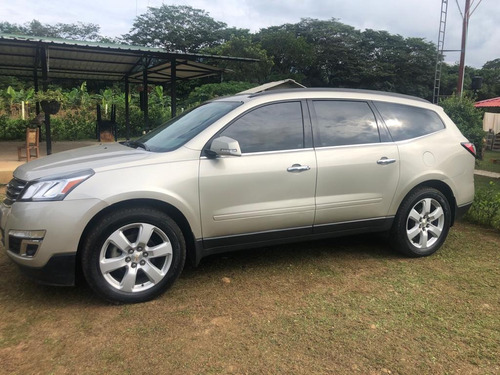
136	144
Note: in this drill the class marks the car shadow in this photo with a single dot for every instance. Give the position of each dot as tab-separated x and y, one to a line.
21	290
374	246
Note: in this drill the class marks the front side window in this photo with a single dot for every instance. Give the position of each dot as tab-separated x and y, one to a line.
340	123
406	122
179	130
272	127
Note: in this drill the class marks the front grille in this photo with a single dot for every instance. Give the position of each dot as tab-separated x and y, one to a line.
14	188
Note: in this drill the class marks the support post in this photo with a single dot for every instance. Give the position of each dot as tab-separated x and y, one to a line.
127	109
145	97
37	105
461	68
45	83
173	92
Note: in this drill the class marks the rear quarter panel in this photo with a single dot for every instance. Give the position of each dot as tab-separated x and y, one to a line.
438	156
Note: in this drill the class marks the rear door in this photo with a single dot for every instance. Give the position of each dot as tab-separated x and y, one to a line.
358	165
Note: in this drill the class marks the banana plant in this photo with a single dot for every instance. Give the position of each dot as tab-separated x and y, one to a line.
20	97
160	98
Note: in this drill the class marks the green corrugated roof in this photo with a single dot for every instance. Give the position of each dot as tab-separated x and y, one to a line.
20	56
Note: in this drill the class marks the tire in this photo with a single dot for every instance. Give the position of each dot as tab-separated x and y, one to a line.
133	255
422	223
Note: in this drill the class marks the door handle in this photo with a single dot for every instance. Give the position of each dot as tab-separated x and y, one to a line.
297	168
385	161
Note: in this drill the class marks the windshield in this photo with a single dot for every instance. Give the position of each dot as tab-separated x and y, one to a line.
179	130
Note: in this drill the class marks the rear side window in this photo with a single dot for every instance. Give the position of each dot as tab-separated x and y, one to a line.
340	123
273	127
406	122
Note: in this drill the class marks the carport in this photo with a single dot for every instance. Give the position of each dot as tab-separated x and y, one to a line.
46	59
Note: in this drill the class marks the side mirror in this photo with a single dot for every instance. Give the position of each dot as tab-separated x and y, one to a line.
225	146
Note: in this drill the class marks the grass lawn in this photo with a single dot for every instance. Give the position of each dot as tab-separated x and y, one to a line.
482	182
487	165
342	306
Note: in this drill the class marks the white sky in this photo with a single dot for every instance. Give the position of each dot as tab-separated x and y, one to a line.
409	18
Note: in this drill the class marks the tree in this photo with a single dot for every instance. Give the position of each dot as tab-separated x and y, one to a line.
467	118
336	52
209	91
176	28
75	31
255	72
292	55
490	73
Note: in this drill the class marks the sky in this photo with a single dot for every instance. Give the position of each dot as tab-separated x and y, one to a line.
409	18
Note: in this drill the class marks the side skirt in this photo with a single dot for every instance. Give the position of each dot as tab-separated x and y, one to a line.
216	245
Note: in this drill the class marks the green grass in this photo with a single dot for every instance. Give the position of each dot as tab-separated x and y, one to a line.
483	182
487	165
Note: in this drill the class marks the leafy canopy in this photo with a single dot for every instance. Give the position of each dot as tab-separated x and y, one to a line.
178	28
75	31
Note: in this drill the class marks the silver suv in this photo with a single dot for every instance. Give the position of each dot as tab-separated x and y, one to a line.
239	172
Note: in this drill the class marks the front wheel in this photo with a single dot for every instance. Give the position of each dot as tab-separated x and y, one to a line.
133	255
422	223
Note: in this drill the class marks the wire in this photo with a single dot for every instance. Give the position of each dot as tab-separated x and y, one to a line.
473	10
460	10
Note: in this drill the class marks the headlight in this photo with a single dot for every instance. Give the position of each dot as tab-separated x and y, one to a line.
54	188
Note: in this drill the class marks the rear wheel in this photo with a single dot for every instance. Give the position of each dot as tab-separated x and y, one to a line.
422	223
133	255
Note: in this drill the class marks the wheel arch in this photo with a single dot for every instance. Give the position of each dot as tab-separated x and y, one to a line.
444	189
168	209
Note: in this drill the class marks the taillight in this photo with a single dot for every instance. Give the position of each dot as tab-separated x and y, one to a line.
469	147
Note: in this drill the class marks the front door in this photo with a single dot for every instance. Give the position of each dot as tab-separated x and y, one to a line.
270	187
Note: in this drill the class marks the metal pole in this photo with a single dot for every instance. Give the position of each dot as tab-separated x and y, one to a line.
45	83
127	109
461	69
145	97
173	92
35	80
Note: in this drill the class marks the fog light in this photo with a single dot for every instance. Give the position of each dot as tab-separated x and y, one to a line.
25	242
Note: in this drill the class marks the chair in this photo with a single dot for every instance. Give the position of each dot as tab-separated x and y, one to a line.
106	129
32	143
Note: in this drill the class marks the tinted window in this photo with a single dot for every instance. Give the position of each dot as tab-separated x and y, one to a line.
270	128
344	123
405	122
179	130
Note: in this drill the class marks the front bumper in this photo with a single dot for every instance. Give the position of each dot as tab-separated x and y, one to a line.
59	270
51	258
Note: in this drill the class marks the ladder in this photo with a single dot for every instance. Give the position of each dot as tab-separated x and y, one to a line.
440	51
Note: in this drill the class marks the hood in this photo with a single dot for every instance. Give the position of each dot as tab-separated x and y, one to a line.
92	157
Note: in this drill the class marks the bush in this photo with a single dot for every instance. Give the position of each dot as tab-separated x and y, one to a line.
12	128
468	119
74	125
486	207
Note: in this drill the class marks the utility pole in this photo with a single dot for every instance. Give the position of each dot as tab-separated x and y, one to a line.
461	68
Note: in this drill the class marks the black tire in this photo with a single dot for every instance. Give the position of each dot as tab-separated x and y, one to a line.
422	223
133	255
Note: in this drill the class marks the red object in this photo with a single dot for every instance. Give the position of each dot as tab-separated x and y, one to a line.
494	102
469	146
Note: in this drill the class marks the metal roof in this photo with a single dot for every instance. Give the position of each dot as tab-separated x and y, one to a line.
494	102
20	56
276	85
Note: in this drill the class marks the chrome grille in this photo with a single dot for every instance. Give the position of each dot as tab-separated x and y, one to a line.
14	188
